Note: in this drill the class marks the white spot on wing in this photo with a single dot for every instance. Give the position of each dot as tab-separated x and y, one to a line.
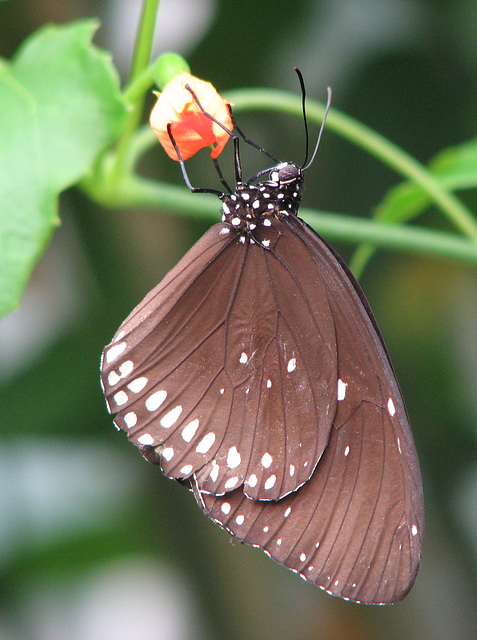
287	512
130	419
252	481
120	336
186	469
231	482
414	530
155	400
233	458
346	451
120	398
125	368
214	472
279	541
225	508
113	352
146	439
171	417
243	358
267	222
137	385
292	470
206	442
391	407
303	557
240	519
270	482
291	366
269	383
168	453
266	460
399	444
189	431
342	386
113	378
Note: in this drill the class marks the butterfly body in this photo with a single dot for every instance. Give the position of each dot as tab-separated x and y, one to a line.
256	374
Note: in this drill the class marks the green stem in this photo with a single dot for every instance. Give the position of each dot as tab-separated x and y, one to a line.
367	139
134	190
137	192
139	86
372	142
145	36
141	55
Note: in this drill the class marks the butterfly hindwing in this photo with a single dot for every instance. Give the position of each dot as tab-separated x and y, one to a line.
355	528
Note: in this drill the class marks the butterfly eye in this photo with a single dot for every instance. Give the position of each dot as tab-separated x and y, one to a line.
287	173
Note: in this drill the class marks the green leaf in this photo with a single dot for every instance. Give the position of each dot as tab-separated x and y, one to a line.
455	168
60	106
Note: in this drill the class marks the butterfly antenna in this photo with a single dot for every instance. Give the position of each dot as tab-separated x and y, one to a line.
303	107
328	105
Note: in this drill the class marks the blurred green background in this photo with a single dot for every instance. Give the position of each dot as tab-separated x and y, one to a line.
96	543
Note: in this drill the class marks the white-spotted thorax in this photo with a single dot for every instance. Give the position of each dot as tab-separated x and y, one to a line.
254	203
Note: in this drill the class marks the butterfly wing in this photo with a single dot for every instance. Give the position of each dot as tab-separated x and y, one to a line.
355	528
227	370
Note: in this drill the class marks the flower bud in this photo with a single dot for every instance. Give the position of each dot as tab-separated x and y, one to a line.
191	128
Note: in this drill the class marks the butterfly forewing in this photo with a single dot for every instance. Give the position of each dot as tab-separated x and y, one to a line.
220	375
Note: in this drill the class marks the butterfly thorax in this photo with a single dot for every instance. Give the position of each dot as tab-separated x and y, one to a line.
279	195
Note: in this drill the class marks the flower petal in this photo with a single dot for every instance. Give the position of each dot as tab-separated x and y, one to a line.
191	128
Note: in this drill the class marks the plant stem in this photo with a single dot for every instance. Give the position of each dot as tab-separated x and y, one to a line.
367	139
138	87
134	190
144	39
140	61
137	192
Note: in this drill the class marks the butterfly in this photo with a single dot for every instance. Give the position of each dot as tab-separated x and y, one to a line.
256	375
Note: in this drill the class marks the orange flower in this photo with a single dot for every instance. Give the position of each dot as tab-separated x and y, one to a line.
191	129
